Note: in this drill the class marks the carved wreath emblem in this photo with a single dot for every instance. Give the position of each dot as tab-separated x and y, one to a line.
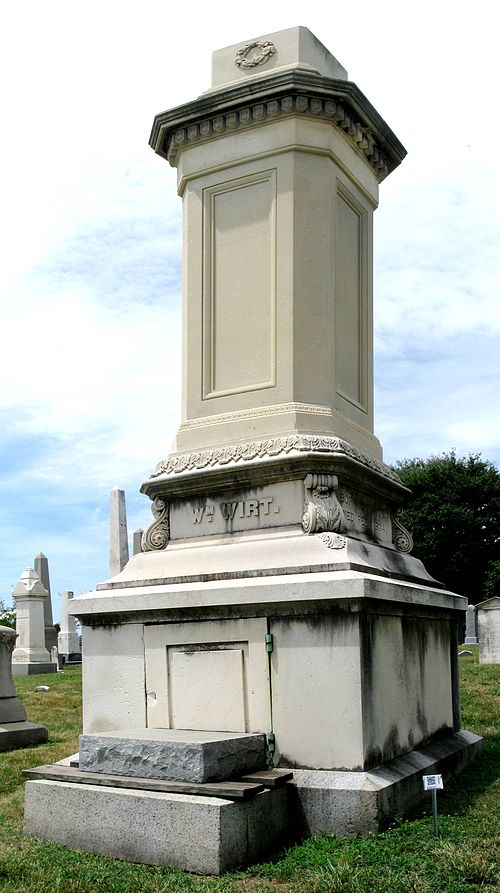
243	60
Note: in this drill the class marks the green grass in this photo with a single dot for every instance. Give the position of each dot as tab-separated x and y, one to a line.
406	858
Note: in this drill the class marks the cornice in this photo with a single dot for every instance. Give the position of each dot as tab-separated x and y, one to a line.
271	449
290	93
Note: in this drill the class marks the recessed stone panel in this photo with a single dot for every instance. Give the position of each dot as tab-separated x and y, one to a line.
280	505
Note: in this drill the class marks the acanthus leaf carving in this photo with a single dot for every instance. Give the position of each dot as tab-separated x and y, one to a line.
260	449
156	536
322	510
401	537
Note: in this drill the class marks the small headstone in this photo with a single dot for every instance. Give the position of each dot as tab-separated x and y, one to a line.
42	688
68	640
471	626
118	537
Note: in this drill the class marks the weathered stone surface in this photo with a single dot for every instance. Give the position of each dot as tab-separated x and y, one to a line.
21	734
362	802
202	834
172	753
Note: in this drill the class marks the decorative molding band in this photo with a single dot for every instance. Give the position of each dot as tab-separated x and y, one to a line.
310	106
401	538
333	540
322	510
259	412
156	536
273	448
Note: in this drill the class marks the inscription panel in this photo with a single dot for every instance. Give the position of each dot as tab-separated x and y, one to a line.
280	505
365	518
239	301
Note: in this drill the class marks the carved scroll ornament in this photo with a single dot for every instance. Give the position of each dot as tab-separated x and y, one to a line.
243	60
156	536
401	538
322	510
333	540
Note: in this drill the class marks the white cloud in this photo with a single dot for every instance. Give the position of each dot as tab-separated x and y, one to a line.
90	230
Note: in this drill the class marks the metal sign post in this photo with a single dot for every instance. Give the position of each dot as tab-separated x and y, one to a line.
433	783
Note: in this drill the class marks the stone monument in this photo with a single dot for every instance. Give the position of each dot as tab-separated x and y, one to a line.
30	654
68	640
118	537
15	730
488	621
275	593
41	566
471	626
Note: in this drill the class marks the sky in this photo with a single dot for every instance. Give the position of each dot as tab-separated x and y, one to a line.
90	271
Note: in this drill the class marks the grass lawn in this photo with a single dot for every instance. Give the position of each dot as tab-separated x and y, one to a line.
407	858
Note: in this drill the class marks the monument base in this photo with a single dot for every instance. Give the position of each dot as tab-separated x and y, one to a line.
210	835
29	668
21	734
345	803
207	835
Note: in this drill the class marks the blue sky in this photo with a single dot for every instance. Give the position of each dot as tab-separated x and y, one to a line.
90	273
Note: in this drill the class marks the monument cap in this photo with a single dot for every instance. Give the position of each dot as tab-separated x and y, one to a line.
29	583
296	48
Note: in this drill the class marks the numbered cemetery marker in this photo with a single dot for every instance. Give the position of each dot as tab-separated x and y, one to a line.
433	782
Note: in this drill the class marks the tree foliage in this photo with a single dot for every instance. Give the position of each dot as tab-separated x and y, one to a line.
7	615
454	516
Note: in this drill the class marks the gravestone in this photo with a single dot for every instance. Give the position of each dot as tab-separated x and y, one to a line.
488	622
15	730
470	626
68	640
137	540
30	654
118	538
275	593
41	566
